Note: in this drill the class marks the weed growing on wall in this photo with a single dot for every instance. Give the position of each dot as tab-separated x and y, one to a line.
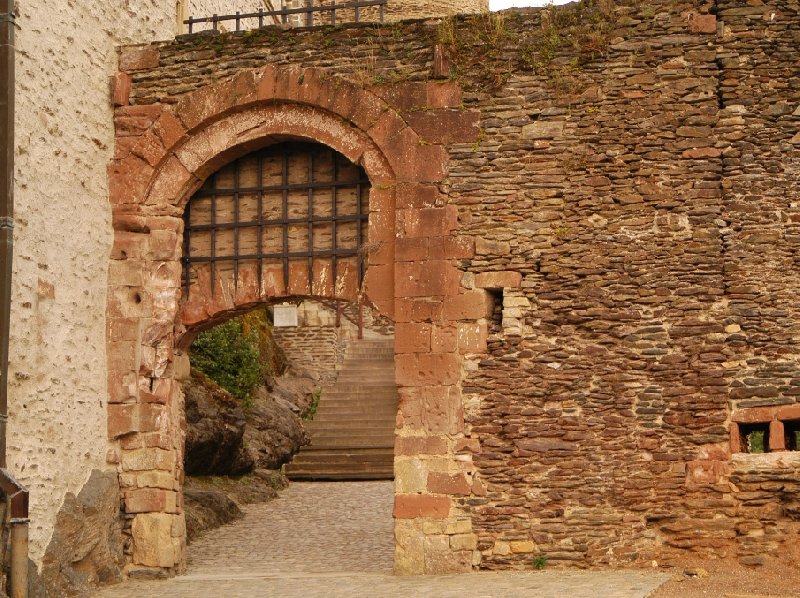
231	357
570	36
487	49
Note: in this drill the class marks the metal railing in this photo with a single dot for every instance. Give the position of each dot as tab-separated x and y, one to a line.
264	18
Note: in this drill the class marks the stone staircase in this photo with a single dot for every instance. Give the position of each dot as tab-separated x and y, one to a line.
352	433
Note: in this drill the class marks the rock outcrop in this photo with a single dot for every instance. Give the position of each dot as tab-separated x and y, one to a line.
215	427
86	547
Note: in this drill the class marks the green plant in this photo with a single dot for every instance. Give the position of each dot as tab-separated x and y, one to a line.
540	562
231	357
309	413
582	29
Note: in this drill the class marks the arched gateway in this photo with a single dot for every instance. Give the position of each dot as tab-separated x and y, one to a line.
301	184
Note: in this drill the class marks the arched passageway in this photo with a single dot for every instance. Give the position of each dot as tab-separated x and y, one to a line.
154	306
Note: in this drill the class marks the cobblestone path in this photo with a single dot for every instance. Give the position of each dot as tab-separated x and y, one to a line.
331	540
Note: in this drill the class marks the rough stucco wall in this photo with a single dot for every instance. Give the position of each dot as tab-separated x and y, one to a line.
415	9
66	54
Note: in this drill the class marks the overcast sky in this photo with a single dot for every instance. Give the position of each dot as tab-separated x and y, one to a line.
501	4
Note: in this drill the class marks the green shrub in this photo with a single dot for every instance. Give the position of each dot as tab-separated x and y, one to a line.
231	357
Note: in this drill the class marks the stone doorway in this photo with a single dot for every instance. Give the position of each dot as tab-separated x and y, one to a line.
159	169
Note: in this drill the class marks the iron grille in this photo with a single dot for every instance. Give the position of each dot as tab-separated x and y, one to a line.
324	14
288	203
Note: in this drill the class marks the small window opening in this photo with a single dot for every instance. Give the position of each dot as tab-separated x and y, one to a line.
792	431
755	438
496	321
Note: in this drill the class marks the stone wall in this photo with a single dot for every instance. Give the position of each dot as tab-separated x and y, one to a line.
594	287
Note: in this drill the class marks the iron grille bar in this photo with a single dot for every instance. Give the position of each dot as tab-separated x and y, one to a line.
285	178
310	215
200	259
289	187
252	223
260	205
236	229
359	234
187	247
284	13
335	214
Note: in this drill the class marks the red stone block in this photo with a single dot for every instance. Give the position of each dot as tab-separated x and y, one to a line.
459	248
446	125
411	337
443	339
419	163
171	184
409	410
755	415
121	91
417	195
422	279
423	222
425	369
122	419
442	410
124	329
702	23
415	506
139	58
498	280
789	412
736	439
472	337
412	249
420	445
152	417
444	94
418	310
471	305
128	180
445	483
404	96
169	129
150	500
164	245
777	437
379	281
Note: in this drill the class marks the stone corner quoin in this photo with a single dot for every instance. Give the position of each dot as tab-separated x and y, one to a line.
586	268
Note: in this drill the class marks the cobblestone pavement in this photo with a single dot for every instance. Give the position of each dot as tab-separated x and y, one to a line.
329	540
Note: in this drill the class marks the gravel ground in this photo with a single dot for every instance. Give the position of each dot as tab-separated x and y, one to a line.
725	579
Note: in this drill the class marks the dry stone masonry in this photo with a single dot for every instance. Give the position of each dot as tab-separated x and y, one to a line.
586	242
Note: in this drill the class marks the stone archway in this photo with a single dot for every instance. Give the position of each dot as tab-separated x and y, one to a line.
412	277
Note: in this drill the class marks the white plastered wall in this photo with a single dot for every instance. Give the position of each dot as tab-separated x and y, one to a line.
66	54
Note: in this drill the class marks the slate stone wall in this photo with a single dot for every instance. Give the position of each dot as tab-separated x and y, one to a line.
628	196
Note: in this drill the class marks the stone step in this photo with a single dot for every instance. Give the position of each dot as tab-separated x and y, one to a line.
342	467
389	399
356	427
355	410
350	442
352	434
341	456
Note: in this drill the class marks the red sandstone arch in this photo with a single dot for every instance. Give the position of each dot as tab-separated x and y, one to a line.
153	176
